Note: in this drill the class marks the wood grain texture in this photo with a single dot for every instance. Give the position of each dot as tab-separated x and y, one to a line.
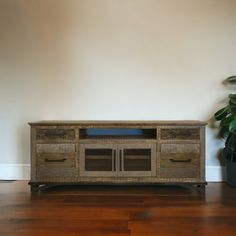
59	148
179	160
55	134
180	148
55	148
117	211
57	174
180	173
56	159
180	133
116	123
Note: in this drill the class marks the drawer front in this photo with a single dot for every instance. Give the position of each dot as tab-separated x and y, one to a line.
55	134
180	173
180	133
55	160
56	167
55	148
180	161
56	174
172	148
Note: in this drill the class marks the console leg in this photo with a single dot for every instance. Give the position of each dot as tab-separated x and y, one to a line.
34	188
201	188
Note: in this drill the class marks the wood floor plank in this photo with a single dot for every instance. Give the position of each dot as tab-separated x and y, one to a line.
119	210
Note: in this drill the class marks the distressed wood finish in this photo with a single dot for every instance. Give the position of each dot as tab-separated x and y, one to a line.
117	123
55	148
180	133
180	173
176	153
59	167
56	174
58	159
179	160
55	134
180	148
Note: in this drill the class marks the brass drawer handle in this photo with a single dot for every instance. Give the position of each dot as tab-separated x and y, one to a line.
186	161
55	160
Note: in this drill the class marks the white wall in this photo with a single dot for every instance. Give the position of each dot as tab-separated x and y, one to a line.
112	59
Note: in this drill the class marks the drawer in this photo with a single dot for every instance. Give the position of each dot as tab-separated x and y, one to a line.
172	148
56	167
180	155
55	148
180	133
55	160
55	134
56	174
180	173
179	160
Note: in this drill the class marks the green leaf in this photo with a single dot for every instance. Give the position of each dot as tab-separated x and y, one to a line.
222	113
232	95
233	109
232	126
224	131
231	79
232	98
227	120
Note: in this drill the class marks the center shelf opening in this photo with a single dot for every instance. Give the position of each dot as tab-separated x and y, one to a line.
118	133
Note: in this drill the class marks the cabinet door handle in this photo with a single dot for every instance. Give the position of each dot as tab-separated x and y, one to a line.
55	160
186	161
120	160
114	160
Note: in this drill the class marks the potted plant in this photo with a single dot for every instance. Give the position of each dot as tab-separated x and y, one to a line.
227	118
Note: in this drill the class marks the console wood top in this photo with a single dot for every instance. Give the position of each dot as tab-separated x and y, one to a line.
117	122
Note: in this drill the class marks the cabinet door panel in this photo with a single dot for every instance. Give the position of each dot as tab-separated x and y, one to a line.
97	160
137	160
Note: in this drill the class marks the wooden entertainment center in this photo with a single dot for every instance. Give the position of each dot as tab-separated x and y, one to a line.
117	152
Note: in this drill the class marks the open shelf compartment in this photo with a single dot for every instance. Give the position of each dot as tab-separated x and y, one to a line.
118	133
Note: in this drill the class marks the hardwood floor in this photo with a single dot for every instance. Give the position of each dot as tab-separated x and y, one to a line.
117	210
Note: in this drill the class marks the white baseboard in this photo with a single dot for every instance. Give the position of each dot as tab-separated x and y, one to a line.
22	172
215	173
14	171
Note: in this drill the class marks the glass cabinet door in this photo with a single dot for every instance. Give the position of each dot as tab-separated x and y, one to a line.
97	160
137	160
123	160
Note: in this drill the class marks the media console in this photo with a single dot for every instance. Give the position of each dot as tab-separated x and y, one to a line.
117	152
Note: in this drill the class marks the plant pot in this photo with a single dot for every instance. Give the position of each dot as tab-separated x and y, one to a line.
230	172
